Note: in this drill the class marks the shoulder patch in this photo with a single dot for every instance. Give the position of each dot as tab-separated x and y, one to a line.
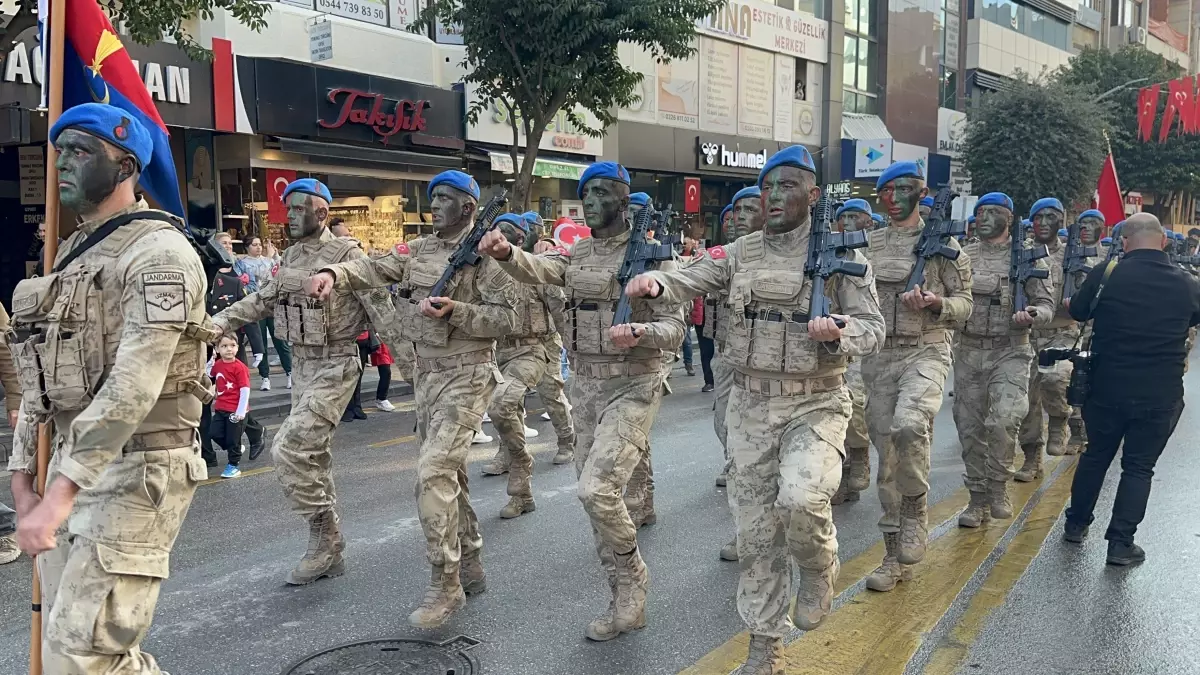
717	253
164	294
561	250
402	249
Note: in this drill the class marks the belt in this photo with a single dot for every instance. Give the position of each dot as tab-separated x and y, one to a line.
161	440
523	341
774	315
1046	333
444	363
993	342
605	371
930	338
711	302
593	306
325	351
814	385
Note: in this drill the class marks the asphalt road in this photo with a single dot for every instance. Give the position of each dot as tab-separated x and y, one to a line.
988	601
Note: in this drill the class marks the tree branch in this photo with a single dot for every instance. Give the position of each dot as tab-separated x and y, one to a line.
508	45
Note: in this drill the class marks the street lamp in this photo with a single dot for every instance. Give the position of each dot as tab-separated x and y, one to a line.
1119	87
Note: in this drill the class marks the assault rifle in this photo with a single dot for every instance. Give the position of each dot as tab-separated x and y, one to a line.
661	220
639	255
1116	248
824	261
1075	260
467	253
1020	267
935	237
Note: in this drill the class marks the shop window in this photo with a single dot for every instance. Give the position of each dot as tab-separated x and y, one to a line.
1028	21
948	89
801	79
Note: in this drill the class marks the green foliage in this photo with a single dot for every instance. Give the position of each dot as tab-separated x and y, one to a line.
537	57
1036	139
1166	167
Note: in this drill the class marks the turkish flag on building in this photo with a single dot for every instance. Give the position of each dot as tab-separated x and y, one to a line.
1108	193
691	195
277	180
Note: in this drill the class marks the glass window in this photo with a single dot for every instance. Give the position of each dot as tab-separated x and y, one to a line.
1030	22
786	4
867	70
850	60
866	17
948	96
1114	13
851	18
849	101
814	7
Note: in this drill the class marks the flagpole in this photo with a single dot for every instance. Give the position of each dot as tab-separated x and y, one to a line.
53	68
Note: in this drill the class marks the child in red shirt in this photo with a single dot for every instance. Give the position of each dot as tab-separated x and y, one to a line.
231	378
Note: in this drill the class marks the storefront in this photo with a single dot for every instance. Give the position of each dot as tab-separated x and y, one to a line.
376	142
868	149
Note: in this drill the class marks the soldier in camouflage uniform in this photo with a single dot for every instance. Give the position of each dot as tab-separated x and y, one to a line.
127	458
326	371
456	374
639	492
853	216
617	383
905	379
992	360
789	406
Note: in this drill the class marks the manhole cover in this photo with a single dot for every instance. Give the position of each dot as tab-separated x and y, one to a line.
392	657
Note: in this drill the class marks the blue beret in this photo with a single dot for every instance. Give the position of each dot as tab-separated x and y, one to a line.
609	170
970	219
108	123
796	155
308	186
898	170
1177	236
1092	213
639	199
746	192
513	218
1062	232
532	217
854	205
927	201
876	217
725	211
1026	222
456	179
1046	203
995	199
1106	240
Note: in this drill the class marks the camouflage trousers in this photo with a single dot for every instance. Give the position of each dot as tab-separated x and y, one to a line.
522	369
613	417
1047	391
552	390
991	397
405	356
100	584
301	450
906	385
857	435
450	407
787	457
722	384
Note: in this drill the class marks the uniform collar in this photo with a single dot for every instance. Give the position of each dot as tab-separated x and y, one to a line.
90	226
787	243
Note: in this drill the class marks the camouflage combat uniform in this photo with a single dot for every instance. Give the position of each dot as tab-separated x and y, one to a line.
615	395
905	380
125	414
787	416
991	378
327	366
456	375
856	467
552	391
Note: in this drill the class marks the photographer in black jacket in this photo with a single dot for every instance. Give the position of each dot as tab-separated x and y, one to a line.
1141	312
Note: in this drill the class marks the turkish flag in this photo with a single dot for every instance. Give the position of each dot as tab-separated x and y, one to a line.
1179	100
691	195
568	231
277	180
1147	110
1108	193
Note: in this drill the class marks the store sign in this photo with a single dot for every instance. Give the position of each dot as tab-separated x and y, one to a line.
839	190
960	179
561	135
371	11
386	117
542	168
764	26
709	155
871	157
952	127
903	152
32	172
320	41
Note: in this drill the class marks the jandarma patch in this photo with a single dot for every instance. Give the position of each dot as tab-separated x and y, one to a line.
165	297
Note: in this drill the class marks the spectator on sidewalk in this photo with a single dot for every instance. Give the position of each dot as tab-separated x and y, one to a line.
258	269
231	378
707	347
382	360
12	402
367	343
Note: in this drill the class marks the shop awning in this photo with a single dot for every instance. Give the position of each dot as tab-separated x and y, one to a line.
860	126
543	168
376	155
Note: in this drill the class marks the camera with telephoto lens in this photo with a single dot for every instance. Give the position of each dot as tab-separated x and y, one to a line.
1078	385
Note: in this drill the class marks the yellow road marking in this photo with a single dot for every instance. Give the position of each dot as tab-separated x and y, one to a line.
395	441
1003	577
247	472
880	632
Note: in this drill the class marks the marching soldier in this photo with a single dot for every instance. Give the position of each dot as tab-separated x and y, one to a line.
618	379
787	417
126	297
456	375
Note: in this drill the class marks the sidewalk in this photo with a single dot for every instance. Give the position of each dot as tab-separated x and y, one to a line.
278	401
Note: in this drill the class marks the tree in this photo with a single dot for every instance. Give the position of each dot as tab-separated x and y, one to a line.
1036	139
1118	75
535	58
147	21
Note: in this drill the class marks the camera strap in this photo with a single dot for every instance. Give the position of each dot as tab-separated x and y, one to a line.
1108	269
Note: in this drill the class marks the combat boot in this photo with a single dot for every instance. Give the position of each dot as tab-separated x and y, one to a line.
729	551
914	530
814	600
499	464
844	493
1031	469
602	628
1056	437
518	506
566	452
765	657
443	597
860	468
890	572
470	574
627	611
324	555
976	513
722	479
999	500
641	507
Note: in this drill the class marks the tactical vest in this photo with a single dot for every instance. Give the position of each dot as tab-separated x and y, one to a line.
991	293
768	317
67	327
592	294
533	320
893	265
427	261
299	319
